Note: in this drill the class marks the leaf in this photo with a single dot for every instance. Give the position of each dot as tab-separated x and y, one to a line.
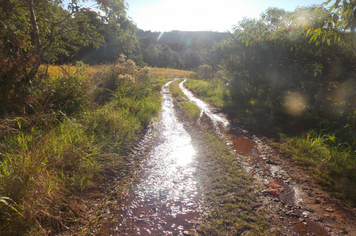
328	41
4	200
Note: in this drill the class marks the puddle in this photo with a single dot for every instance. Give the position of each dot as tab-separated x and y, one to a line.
296	222
165	198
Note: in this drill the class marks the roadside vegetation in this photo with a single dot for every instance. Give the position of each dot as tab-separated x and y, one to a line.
291	77
231	205
56	156
214	91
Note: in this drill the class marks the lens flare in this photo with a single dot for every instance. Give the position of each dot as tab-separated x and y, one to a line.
295	103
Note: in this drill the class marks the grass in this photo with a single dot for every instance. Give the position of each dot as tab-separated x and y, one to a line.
214	91
175	91
80	68
58	70
231	204
167	72
55	158
184	106
330	165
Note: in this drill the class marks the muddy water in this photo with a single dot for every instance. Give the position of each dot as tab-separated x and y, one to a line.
165	199
296	221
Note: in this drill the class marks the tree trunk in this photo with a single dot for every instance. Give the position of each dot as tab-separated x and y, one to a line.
35	31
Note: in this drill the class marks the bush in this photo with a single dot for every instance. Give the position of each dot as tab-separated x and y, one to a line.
64	93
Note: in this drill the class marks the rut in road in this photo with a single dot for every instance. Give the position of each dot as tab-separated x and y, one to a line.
165	199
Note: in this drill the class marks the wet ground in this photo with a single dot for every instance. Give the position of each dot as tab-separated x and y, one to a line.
165	198
291	196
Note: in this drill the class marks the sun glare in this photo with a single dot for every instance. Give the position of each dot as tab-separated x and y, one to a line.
194	15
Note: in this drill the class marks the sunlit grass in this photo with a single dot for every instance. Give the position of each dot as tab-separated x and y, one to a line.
167	72
58	70
175	90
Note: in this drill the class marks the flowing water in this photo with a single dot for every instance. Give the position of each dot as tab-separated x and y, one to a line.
165	199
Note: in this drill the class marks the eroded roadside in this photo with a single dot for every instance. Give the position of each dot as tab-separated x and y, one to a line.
300	206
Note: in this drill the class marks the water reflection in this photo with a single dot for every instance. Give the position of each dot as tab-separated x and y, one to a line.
165	200
204	107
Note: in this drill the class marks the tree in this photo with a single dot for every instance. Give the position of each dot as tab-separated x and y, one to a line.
271	57
42	31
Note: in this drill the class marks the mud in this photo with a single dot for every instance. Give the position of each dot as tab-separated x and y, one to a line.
164	199
301	207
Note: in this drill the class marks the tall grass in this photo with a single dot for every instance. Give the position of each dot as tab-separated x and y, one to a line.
77	128
329	163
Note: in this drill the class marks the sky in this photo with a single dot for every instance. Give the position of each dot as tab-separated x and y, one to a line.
202	15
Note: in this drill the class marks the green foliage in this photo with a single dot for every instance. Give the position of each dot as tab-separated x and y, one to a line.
64	93
176	91
268	59
327	159
176	49
39	168
68	145
214	91
35	32
189	109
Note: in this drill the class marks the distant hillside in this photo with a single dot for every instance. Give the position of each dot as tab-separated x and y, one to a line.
177	36
176	49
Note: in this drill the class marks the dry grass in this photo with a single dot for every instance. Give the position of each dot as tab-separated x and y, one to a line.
69	69
167	72
56	70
